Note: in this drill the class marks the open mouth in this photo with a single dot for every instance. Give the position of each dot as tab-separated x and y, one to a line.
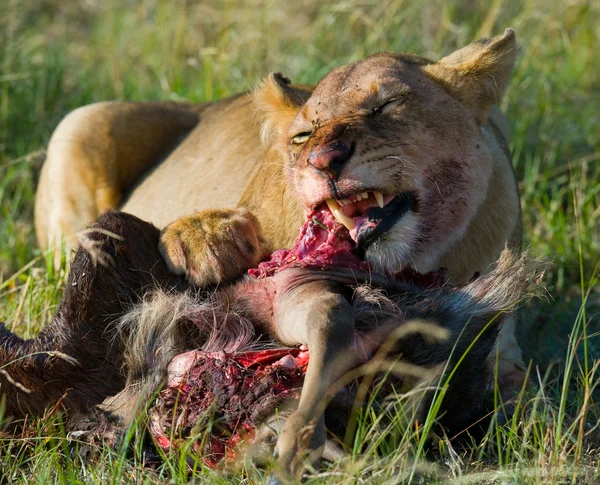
367	215
334	230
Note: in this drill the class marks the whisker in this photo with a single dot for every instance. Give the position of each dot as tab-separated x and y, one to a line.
397	143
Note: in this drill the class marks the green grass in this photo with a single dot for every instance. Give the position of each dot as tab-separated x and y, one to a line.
56	56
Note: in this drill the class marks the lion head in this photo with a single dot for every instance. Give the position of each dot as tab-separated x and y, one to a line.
393	145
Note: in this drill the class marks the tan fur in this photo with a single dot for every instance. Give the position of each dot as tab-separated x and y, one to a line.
478	72
440	137
277	101
95	154
223	243
427	142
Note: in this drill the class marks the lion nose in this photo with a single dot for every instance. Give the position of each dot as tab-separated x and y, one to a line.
331	159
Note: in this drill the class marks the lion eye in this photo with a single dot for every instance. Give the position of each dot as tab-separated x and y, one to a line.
388	104
301	138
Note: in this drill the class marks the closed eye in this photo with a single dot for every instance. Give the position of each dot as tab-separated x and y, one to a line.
301	138
390	103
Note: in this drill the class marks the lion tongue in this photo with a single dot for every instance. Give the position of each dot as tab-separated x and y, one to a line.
354	216
361	223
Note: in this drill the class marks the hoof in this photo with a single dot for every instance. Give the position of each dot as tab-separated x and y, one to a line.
505	414
87	433
274	480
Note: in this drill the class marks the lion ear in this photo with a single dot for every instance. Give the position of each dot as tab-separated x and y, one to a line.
277	103
478	73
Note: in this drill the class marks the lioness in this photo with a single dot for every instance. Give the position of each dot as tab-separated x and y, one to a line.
409	154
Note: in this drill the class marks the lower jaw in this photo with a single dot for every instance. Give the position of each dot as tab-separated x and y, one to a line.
385	259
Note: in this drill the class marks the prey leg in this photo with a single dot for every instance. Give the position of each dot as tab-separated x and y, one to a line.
316	314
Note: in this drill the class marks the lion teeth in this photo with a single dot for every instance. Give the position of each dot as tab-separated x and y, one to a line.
379	198
343	219
365	195
332	204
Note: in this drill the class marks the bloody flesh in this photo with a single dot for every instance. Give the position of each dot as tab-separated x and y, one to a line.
322	242
236	391
234	386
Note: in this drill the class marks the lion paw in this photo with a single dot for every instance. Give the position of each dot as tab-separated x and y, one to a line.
212	246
